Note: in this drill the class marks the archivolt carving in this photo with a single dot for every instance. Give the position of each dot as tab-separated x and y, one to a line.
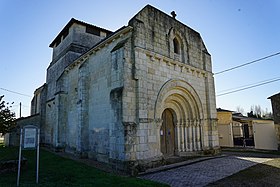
181	97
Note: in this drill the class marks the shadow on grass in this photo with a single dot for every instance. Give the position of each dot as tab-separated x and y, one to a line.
58	171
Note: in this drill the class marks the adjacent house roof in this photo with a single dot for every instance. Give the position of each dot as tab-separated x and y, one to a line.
223	110
239	117
275	95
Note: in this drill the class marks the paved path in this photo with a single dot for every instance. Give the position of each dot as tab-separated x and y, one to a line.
205	172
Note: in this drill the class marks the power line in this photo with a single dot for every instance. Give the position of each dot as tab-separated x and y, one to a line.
249	87
15	92
248	63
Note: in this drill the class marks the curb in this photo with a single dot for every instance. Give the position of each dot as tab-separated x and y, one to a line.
177	165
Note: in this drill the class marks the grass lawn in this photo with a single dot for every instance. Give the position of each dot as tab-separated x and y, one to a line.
58	171
265	174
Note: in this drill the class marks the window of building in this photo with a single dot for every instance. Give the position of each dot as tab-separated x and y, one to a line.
176	46
93	30
66	32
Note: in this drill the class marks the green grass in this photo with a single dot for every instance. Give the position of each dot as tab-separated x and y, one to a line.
8	153
58	171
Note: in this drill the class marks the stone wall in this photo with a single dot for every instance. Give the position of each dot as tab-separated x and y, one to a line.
224	118
275	102
14	136
155	64
71	45
89	104
107	104
105	94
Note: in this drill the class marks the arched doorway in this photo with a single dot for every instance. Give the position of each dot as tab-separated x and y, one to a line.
178	104
167	133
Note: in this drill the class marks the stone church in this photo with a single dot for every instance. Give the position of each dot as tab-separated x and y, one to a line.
130	98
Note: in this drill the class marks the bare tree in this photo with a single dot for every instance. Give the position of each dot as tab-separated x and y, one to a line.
258	112
267	114
241	110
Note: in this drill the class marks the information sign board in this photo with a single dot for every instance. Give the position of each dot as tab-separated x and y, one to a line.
29	140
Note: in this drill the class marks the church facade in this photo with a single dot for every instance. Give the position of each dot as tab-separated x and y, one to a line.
130	98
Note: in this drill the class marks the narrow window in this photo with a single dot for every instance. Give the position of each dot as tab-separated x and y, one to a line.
176	45
65	33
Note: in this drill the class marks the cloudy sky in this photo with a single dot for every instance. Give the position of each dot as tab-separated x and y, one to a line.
234	31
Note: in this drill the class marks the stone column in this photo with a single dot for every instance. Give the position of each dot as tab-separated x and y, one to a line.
55	125
61	118
186	136
194	135
178	137
158	123
198	134
182	137
190	137
82	109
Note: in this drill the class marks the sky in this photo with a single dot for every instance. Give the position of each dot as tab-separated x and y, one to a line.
234	31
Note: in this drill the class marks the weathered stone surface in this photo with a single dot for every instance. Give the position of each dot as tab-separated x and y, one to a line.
108	102
275	102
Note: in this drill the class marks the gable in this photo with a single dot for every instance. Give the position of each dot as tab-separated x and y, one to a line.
163	34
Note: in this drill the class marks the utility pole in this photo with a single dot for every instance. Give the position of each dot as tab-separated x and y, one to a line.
20	109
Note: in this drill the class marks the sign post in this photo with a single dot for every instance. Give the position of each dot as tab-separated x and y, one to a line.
29	139
19	156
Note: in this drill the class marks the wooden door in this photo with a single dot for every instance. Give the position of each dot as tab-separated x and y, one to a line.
167	134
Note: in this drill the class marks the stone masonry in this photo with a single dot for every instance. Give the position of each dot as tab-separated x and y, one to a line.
275	103
106	92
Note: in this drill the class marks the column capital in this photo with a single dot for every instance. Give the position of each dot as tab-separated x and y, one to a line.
195	122
198	122
190	122
158	120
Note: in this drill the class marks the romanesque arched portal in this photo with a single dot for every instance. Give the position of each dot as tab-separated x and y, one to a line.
179	105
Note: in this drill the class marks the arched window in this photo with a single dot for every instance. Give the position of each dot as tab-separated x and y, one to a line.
176	46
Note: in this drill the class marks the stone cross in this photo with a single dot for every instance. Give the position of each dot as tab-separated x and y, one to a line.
173	14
